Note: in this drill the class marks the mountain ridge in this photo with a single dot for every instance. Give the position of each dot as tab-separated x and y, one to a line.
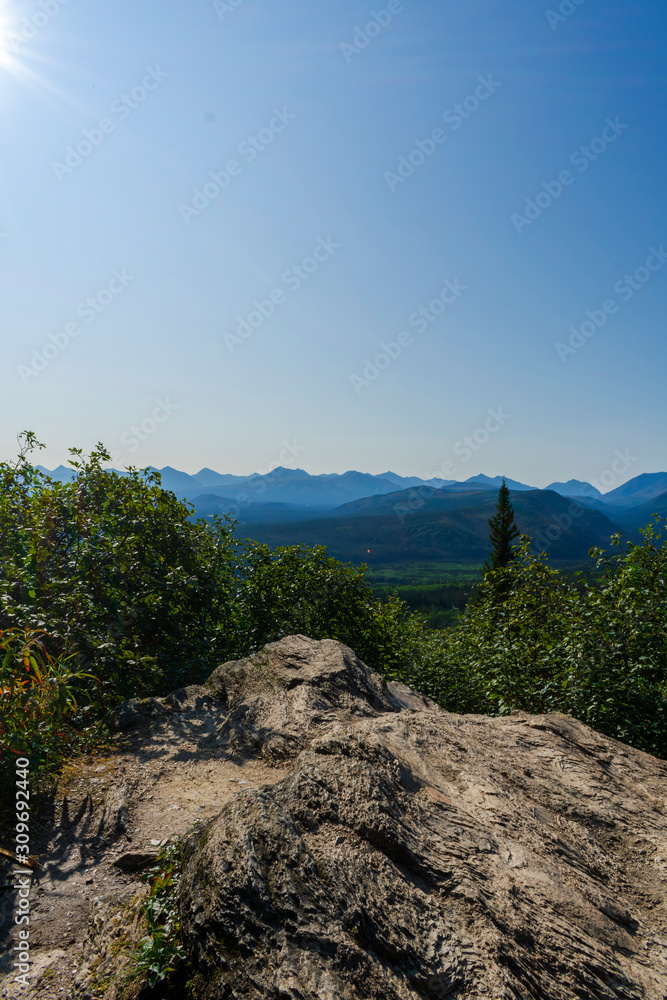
575	488
329	491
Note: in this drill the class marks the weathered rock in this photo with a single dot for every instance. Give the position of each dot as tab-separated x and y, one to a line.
415	853
280	698
194	698
134	861
398	851
113	818
138	712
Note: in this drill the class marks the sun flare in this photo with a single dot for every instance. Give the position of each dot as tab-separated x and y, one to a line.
21	53
10	41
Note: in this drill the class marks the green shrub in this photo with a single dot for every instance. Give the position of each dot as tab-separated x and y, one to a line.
145	598
537	642
38	708
115	570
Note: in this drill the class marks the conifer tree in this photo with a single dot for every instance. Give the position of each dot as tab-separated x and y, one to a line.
503	531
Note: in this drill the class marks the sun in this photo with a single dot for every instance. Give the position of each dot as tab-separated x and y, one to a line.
20	51
11	40
18	31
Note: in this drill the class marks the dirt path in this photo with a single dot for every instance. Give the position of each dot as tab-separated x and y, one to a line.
169	773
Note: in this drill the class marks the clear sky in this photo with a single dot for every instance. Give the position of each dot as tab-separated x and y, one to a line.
214	215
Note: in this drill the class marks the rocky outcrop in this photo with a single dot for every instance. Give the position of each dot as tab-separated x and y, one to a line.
359	843
411	853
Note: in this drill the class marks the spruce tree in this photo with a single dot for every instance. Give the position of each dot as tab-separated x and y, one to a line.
503	531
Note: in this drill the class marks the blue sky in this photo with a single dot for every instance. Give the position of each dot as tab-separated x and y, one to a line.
228	322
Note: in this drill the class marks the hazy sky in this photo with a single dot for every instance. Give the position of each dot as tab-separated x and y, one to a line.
214	215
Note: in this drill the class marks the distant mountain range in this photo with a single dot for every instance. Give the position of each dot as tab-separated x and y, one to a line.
298	488
293	486
391	519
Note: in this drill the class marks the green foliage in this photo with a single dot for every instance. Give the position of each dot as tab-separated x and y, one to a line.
113	567
299	590
161	949
597	652
439	603
38	706
144	597
503	531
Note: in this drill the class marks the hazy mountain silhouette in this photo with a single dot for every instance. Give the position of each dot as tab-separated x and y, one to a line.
575	488
292	494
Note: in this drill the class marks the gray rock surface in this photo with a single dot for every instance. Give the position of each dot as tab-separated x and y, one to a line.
410	853
134	861
284	696
356	842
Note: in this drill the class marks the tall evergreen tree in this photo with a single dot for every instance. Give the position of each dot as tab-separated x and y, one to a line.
503	531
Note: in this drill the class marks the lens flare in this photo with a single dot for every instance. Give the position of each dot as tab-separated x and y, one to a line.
22	49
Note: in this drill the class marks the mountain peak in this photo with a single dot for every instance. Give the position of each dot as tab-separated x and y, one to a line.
642	487
497	481
575	488
280	470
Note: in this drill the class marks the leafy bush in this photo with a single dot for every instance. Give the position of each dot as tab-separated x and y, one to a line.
145	597
115	570
38	706
303	590
535	641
